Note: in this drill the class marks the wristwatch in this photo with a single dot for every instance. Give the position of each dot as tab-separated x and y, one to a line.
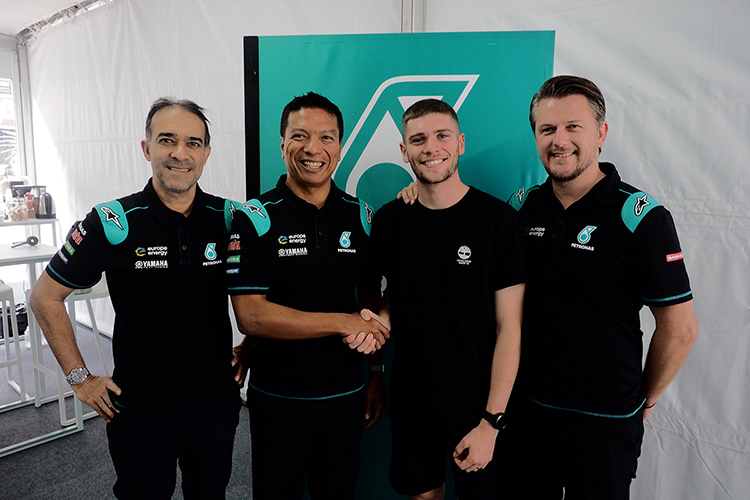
77	375
497	420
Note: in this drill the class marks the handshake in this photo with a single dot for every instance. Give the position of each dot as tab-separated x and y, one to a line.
372	331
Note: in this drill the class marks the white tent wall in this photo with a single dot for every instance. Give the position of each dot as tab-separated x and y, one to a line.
675	74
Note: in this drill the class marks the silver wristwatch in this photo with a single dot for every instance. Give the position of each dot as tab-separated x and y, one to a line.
77	375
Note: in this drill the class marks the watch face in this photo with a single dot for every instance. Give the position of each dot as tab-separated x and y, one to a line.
77	375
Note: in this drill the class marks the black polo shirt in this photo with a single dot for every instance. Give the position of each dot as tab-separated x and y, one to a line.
592	268
172	339
310	260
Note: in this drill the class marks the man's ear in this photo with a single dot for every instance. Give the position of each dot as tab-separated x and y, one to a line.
146	149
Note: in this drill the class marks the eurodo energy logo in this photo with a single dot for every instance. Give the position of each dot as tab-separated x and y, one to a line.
371	166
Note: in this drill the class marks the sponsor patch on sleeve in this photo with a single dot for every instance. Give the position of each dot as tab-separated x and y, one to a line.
674	256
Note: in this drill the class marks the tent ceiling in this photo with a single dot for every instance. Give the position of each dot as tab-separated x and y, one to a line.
15	15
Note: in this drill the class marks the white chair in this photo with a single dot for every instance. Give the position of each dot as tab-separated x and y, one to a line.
8	306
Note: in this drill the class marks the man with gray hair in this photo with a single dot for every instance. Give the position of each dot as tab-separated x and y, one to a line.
173	397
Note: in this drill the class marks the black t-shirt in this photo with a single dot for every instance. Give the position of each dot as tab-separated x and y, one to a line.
310	260
172	339
592	267
443	268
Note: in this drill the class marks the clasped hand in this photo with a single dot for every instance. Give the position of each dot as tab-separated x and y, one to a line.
373	332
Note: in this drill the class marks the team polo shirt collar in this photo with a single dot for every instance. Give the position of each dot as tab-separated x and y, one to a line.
604	192
296	203
164	214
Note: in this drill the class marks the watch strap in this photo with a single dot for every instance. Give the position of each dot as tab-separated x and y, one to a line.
497	420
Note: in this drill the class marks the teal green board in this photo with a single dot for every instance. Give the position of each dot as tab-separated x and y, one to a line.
488	77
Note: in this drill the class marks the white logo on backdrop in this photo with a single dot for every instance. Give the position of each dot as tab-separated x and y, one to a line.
382	146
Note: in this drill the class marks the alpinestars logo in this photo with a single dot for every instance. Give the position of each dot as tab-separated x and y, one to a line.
641	204
111	217
253	209
373	139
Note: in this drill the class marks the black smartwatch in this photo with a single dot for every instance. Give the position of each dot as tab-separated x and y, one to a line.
497	420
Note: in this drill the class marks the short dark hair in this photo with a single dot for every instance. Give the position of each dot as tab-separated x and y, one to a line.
187	105
426	107
566	85
311	100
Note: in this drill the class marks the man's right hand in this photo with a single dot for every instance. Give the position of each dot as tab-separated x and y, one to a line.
409	194
372	335
94	391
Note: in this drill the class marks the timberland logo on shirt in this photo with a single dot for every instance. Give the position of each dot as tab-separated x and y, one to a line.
151	264
464	253
292	252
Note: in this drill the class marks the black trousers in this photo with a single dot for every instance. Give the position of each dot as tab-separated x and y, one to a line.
294	440
147	446
590	457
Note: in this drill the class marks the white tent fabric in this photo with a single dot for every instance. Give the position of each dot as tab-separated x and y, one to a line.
675	74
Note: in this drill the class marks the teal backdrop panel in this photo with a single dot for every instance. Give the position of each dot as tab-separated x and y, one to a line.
488	77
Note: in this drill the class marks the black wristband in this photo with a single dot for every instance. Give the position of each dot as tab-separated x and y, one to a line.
649	406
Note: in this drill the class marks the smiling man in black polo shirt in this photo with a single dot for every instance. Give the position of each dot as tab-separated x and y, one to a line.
172	396
597	251
298	256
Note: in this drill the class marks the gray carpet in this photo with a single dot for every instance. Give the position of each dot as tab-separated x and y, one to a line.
76	466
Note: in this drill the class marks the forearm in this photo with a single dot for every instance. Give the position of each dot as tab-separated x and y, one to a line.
507	355
675	334
504	369
260	318
53	319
